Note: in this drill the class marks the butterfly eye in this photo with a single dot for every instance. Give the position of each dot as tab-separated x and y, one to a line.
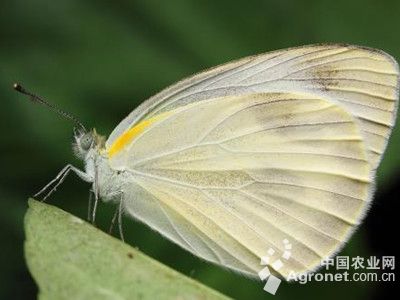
86	141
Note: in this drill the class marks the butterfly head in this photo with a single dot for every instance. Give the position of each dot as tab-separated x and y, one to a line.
86	140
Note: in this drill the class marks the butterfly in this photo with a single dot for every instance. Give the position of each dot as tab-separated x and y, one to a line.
231	161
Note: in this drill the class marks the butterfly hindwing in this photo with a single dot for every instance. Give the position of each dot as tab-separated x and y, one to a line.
229	177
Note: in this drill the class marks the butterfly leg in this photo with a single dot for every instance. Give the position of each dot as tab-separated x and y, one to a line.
121	233
59	179
89	213
113	220
118	216
59	175
96	194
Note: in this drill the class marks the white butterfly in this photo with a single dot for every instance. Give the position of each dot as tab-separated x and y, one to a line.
231	161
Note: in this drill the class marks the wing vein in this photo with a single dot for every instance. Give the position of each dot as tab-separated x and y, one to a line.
175	228
205	216
297	58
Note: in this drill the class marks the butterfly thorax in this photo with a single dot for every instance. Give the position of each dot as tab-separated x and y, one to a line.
90	147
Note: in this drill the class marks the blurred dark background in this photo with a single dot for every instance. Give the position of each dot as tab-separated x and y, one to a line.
100	59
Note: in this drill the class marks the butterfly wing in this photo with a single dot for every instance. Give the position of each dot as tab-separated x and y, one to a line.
228	178
363	81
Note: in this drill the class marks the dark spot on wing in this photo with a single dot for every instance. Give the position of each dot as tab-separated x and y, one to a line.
324	77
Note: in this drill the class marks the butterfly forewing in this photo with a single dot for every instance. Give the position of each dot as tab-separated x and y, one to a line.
363	81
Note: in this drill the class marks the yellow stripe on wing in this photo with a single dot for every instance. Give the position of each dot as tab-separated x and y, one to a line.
127	137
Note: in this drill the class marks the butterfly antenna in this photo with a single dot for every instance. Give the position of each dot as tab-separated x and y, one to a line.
36	99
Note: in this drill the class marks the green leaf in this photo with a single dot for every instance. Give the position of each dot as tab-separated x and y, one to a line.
71	259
